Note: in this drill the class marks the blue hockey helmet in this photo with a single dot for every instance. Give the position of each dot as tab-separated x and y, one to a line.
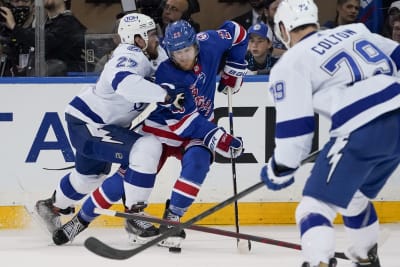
179	35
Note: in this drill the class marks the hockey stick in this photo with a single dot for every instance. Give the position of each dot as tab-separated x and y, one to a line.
210	230
98	247
233	162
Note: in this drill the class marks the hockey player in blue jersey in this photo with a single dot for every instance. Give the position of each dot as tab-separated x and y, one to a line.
193	64
350	76
98	119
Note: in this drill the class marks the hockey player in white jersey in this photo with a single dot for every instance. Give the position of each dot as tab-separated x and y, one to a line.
350	76
187	134
99	118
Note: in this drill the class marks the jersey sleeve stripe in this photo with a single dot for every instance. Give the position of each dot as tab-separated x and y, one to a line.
80	105
349	112
240	34
294	128
183	123
119	77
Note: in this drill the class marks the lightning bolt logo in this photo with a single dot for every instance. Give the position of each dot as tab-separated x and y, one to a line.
335	155
103	134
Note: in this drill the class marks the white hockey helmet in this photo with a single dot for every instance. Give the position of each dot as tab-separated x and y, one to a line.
294	13
135	24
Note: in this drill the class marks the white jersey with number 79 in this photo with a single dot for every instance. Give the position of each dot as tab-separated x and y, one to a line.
346	74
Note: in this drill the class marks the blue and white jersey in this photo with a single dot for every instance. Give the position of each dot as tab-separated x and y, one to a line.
227	43
122	91
346	74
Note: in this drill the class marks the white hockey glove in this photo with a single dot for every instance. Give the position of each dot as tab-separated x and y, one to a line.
223	143
232	77
176	95
276	179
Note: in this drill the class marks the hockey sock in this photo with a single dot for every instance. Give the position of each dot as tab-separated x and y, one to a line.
66	194
363	231
317	238
103	197
195	166
137	186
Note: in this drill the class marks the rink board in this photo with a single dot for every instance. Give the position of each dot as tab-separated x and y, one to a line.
34	137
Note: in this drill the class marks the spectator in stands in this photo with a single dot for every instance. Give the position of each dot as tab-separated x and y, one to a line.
15	54
99	65
253	16
278	48
259	55
174	10
393	11
346	12
371	13
64	38
396	29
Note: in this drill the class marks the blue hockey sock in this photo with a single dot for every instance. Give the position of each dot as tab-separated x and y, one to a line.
103	197
195	166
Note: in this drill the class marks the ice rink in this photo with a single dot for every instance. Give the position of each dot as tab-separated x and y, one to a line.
33	247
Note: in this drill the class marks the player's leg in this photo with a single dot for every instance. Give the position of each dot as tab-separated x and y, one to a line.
72	187
345	166
143	159
314	219
141	231
138	184
362	227
96	149
360	219
195	166
103	197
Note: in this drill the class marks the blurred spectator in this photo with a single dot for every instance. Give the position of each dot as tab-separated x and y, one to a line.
174	10
346	12
259	56
64	38
15	54
393	11
255	15
278	48
99	65
371	14
396	29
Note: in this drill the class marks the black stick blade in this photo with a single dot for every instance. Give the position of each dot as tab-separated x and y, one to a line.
99	248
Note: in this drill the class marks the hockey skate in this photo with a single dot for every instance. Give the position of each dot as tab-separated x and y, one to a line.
140	232
50	214
69	231
173	241
373	259
332	263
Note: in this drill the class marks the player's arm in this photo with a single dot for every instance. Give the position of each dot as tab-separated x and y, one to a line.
295	125
195	126
236	41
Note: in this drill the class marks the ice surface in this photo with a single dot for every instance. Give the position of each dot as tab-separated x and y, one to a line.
33	247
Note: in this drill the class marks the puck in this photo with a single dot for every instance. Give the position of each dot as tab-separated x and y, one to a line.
175	250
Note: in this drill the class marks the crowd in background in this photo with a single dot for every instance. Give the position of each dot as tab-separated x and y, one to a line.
66	49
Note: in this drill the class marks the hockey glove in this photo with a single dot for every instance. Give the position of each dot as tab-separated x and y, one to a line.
232	77
223	143
276	179
176	95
